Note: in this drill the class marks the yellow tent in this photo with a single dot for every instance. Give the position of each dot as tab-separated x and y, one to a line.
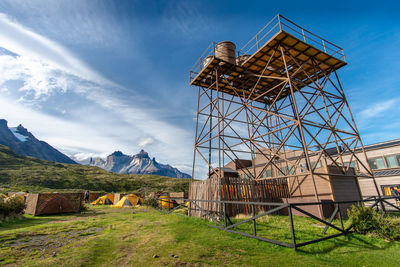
129	200
107	199
166	202
3	197
19	195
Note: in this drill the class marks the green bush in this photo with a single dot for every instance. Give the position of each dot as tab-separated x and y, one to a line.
365	219
369	220
84	207
13	206
389	229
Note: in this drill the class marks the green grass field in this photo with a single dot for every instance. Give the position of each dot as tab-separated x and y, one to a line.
132	236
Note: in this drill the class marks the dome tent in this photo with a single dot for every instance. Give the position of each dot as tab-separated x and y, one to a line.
128	201
107	199
20	195
3	197
166	202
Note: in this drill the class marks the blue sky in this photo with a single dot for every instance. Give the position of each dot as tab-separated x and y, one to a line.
91	77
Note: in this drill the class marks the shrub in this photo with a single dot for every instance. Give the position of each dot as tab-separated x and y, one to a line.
364	219
369	220
84	207
389	229
150	201
13	206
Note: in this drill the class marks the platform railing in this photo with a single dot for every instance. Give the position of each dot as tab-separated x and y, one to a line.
280	23
198	65
274	26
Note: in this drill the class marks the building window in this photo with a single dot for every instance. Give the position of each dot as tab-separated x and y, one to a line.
316	164
353	164
389	190
266	173
392	161
303	165
377	163
286	171
313	164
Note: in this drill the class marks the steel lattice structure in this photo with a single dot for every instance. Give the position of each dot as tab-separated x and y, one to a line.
285	104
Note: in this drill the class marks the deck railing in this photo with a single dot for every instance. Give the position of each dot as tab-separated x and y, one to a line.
280	23
277	24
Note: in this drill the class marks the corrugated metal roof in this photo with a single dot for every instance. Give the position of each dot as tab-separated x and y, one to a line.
387	173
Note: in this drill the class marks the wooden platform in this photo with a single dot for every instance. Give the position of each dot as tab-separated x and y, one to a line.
239	80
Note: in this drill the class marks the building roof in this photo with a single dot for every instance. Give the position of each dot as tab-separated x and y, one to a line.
381	145
387	173
226	170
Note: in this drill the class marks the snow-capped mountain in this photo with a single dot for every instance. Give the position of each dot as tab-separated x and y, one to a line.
22	142
138	164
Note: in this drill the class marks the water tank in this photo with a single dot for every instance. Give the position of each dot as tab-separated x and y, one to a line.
226	51
206	61
241	59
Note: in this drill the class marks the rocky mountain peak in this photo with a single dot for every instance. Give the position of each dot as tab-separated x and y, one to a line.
143	155
140	163
117	154
22	130
22	142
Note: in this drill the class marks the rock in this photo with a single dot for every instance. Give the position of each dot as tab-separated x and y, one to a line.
171	255
176	256
155	256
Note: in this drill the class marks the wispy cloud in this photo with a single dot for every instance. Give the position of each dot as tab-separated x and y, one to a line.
65	102
380	108
184	18
25	42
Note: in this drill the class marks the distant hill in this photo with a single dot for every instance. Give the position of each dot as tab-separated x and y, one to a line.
28	173
140	163
22	142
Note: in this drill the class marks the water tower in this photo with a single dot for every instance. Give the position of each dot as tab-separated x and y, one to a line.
278	110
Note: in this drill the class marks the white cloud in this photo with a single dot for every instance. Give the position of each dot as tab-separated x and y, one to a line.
144	142
24	42
64	102
378	109
39	78
185	18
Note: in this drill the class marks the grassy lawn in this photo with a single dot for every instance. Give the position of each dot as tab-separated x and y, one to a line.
132	236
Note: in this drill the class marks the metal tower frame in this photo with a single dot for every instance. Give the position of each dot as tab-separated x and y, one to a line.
285	103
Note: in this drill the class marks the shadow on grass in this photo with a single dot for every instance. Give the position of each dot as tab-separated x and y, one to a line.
351	242
280	230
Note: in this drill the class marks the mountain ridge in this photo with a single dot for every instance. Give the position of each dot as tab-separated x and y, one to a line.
24	143
20	173
140	163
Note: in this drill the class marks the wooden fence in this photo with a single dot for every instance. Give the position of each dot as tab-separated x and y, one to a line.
235	189
205	190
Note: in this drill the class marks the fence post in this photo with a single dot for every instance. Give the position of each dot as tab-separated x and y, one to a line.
340	217
253	213
225	215
258	47
304	36
292	226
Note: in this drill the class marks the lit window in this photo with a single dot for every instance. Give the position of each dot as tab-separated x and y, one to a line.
393	161
377	163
